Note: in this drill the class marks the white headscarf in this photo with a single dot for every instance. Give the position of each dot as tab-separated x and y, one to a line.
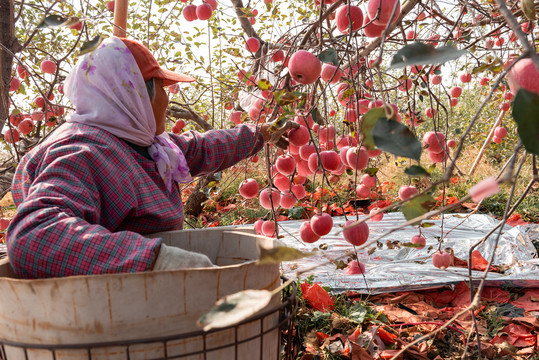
107	90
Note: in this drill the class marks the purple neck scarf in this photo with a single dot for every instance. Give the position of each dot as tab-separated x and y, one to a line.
108	92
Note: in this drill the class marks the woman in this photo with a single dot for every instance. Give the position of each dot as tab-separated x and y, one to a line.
89	192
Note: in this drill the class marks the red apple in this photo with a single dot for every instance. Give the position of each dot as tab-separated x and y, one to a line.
357	235
484	81
26	126
12	136
321	224
304	67
265	199
357	158
288	200
4	223
330	73
330	160
258	226
354	267
485	188
48	67
500	132
204	11
110	5
268	228
299	137
363	191
385	9
307	234
190	12
524	75
373	29
252	44
466	77
407	191
453	102
212	3
377	217
344	14
235	117
248	188
369	181
15	84
456	91
419	240
441	259
281	182
285	164
299	191
277	56
23	74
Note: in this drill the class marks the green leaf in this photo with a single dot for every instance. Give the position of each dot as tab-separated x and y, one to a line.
358	312
528	8
317	117
15	112
234	308
264	84
418	206
329	56
525	110
416	170
52	21
367	125
371	171
284	97
396	138
232	51
90	45
280	253
410	245
424	54
426	224
247	13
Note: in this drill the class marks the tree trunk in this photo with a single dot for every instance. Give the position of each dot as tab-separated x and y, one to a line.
7	41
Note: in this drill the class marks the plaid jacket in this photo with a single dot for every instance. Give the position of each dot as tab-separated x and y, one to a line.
84	197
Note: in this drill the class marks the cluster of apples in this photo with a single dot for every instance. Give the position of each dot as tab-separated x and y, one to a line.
201	12
436	146
350	18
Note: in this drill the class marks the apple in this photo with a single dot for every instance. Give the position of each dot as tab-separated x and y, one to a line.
299	136
15	84
48	67
369	181
285	164
304	67
441	259
326	133
110	5
497	140
342	155
357	235
354	267
265	200
235	117
410	35
485	188
39	101
212	3
407	191
466	77
344	14
330	73
12	136
258	226
524	75
484	81
405	85
268	228
330	160
451	143
77	26
23	74
307	234
277	56
299	191
433	141
252	44
190	13
357	158
505	106
453	102
455	91
385	7
288	200
437	157
204	11
303	168
500	132
248	188
375	153
433	40
281	182
419	240
321	224
4	223
436	79
377	217
373	29
26	126
363	191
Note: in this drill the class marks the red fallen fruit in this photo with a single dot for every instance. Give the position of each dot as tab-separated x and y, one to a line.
441	259
307	234
321	224
354	267
419	240
357	235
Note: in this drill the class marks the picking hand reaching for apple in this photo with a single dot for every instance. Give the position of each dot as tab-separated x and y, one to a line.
274	132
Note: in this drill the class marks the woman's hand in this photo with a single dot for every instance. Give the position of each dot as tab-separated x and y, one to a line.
274	132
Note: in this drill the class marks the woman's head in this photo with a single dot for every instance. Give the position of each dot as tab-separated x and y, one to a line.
109	89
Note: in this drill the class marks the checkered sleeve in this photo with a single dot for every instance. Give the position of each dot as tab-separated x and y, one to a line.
216	150
58	229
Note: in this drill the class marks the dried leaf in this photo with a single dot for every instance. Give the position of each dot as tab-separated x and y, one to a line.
234	308
280	253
